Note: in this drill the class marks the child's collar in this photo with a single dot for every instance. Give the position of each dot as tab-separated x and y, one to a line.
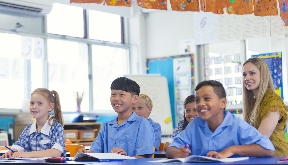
45	129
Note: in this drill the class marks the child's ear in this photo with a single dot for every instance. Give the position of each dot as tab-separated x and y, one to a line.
135	98
51	106
223	103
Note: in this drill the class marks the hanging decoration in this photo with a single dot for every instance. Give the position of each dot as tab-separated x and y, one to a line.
153	4
87	1
239	7
214	6
283	11
126	3
265	7
185	5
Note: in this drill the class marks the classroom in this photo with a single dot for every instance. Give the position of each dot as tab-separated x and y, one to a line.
78	49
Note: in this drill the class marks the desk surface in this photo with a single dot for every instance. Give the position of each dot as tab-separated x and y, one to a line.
144	161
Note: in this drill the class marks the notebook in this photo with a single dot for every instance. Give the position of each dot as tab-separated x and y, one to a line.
197	158
102	157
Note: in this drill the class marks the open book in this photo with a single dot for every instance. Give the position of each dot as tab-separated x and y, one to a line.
197	158
100	157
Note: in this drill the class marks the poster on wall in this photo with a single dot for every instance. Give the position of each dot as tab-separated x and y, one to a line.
274	62
179	71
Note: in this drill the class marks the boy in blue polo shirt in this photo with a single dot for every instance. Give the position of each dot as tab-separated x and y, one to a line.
125	134
217	133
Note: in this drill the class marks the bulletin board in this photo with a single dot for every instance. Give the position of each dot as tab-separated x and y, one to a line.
274	62
156	87
179	71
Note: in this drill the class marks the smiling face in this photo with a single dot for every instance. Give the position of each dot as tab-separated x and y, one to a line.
190	111
209	106
140	107
122	101
40	107
251	77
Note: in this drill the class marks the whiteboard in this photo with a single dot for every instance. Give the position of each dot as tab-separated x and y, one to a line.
156	87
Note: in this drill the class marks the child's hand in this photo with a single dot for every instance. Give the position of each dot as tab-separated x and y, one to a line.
119	151
183	152
82	150
222	154
8	154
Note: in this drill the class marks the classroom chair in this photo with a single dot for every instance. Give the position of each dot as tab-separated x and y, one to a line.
161	148
73	148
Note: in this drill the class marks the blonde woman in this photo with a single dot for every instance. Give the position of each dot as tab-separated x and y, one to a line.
263	108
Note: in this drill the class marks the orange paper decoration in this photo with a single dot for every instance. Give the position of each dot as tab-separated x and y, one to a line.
86	1
118	3
240	7
265	7
153	4
283	11
215	6
184	5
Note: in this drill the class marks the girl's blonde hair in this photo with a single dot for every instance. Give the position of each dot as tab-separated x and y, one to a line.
251	105
52	97
147	100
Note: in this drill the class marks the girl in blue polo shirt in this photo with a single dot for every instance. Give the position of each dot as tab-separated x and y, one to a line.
45	136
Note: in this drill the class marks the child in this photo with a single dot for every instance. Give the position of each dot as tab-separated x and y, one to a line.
45	137
218	133
189	114
128	134
143	107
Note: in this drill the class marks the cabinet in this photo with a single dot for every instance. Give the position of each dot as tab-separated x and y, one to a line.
82	133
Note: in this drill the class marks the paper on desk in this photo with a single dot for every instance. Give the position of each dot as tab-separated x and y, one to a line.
102	156
197	158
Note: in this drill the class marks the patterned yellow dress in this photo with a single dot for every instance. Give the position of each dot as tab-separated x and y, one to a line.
271	103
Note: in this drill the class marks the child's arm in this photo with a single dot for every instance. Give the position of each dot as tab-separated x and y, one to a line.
37	154
252	150
173	152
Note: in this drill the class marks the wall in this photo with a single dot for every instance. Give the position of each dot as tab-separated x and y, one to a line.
164	31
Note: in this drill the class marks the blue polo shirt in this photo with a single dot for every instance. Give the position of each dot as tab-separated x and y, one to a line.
135	136
232	131
157	131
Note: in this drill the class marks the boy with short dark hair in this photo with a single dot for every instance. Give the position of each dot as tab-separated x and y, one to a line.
217	133
127	133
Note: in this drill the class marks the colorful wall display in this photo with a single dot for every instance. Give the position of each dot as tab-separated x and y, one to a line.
274	62
179	71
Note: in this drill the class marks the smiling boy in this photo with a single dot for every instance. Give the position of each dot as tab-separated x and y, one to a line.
125	134
216	132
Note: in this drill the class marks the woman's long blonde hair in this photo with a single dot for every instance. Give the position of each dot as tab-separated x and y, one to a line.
251	104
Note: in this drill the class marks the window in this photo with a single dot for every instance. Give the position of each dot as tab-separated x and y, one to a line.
105	26
18	54
108	64
68	72
66	20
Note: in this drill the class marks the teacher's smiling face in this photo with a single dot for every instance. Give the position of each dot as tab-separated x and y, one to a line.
251	77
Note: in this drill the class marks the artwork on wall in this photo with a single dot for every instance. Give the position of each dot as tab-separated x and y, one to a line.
179	70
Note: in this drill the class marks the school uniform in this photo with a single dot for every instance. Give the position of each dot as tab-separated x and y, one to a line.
49	137
232	131
135	136
157	132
